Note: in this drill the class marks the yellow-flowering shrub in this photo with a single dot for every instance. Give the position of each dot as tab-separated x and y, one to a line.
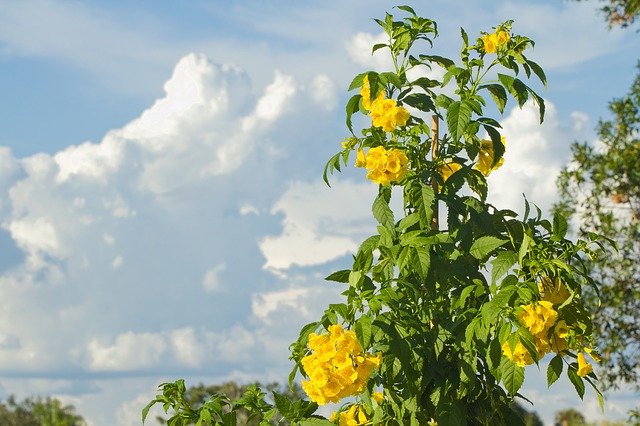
337	366
448	168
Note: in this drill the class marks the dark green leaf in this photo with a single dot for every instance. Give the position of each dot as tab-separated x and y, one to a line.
339	276
554	370
512	376
353	106
458	116
485	245
576	381
382	212
501	264
498	94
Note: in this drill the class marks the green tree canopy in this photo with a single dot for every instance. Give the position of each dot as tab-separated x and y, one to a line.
601	189
38	412
621	12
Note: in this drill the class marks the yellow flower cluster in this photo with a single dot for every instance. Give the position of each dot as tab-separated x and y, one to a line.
485	158
384	113
337	367
553	291
538	317
491	42
354	416
365	92
384	165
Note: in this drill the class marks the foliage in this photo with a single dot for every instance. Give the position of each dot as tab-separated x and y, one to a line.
530	418
601	189
570	417
38	412
197	396
621	12
439	319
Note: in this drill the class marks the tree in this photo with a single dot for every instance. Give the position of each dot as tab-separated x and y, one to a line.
570	417
530	418
197	396
38	412
601	189
621	12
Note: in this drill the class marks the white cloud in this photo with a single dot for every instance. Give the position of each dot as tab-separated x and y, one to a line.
211	281
129	351
320	223
323	92
534	156
359	49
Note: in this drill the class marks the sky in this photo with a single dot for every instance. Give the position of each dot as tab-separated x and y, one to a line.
162	211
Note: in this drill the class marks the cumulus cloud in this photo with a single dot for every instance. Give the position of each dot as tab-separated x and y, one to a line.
323	92
534	156
100	240
359	49
320	223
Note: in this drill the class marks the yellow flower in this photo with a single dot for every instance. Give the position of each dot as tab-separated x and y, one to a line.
432	422
490	43
384	166
502	37
448	168
378	397
584	367
553	291
486	156
562	329
365	92
386	114
538	317
353	417
520	355
337	367
360	160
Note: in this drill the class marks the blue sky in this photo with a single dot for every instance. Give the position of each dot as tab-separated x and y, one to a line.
161	206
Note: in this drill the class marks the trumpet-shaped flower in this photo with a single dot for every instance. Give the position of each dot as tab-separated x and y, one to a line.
448	168
553	291
584	367
337	366
520	355
384	166
365	92
538	317
386	114
486	157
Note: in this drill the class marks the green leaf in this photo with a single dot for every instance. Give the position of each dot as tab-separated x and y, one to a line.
554	370
501	264
353	106
485	245
496	141
458	116
145	410
381	211
407	9
451	414
512	376
229	419
423	260
363	330
284	406
560	225
576	381
540	102
420	101
498	94
524	247
538	71
517	88
339	276
315	422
